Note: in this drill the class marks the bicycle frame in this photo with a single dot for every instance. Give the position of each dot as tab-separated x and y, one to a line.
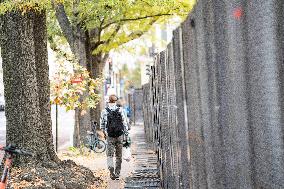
93	137
94	140
10	152
7	167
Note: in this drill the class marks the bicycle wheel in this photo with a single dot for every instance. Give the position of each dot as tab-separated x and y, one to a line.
99	146
89	142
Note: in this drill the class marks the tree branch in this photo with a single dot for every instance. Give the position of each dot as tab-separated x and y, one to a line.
113	34
56	49
101	28
97	33
105	57
96	44
132	36
64	23
135	19
137	34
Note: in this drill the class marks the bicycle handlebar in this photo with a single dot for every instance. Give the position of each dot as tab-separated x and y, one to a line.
94	126
13	150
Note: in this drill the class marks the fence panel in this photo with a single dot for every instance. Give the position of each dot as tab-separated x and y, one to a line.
181	107
215	102
266	112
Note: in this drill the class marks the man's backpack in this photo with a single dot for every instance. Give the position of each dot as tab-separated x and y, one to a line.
115	127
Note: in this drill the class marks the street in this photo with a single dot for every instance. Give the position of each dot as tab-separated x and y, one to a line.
2	131
2	128
65	128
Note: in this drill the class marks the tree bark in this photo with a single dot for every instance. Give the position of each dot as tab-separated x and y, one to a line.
78	41
96	70
42	70
83	120
82	47
26	83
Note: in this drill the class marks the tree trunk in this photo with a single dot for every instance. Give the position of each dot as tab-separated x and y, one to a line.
79	41
83	120
25	70
42	69
96	70
82	50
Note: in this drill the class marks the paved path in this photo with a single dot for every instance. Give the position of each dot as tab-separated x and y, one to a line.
140	173
145	174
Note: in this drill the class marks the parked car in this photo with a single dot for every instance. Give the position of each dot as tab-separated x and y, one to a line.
2	103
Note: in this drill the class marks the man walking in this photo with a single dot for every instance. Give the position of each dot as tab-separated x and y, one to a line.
114	123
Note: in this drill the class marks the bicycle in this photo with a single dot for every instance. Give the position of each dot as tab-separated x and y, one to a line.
94	143
10	152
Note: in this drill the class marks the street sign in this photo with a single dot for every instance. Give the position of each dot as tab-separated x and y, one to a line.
77	80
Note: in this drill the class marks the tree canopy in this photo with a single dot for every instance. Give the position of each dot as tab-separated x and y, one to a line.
113	23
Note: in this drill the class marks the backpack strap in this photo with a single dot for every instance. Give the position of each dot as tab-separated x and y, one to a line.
108	110
116	110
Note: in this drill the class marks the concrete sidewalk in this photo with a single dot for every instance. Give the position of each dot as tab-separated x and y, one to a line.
140	172
145	174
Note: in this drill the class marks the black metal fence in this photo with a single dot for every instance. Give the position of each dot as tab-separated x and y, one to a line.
135	100
214	106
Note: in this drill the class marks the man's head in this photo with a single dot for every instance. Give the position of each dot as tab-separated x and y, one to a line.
119	102
112	99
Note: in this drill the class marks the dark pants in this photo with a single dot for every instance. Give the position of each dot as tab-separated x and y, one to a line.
114	145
